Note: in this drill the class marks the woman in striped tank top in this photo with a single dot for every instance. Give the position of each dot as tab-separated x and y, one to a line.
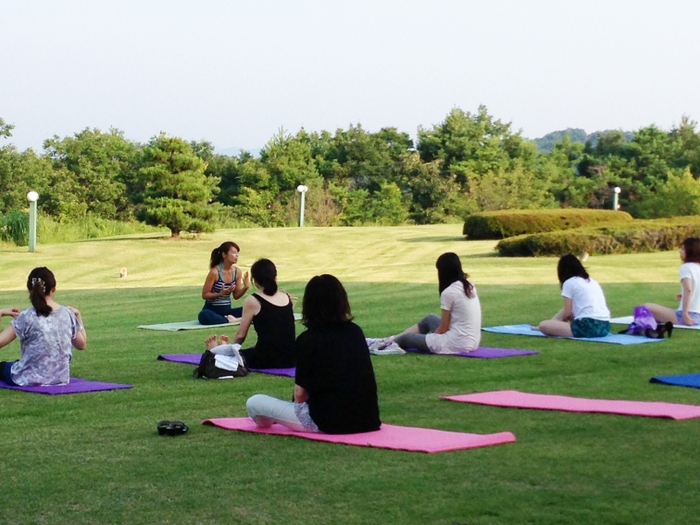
223	280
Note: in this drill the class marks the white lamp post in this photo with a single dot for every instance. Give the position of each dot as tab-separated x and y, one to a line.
616	194
33	197
302	192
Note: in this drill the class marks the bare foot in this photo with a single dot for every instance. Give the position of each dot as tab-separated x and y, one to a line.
232	319
537	328
224	340
210	342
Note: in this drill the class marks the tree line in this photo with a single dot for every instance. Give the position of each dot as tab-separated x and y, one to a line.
469	162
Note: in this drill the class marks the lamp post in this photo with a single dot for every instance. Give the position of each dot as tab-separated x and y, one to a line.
33	197
616	194
302	192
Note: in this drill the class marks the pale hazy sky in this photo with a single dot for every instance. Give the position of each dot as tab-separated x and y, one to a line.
234	72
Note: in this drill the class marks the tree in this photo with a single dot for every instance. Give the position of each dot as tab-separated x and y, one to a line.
103	167
679	195
178	194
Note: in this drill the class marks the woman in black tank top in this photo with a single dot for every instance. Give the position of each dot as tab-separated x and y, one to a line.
270	311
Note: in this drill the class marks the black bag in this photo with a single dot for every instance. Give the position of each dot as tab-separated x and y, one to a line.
207	369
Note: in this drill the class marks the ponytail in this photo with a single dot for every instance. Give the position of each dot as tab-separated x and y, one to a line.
40	283
217	254
264	273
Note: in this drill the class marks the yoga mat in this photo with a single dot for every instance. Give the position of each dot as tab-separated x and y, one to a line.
616	339
75	386
515	399
192	325
193	359
628	320
690	380
411	439
484	352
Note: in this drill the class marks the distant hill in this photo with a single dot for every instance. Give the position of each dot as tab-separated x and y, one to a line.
546	143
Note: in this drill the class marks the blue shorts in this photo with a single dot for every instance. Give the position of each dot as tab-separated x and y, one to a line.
6	372
694	315
586	327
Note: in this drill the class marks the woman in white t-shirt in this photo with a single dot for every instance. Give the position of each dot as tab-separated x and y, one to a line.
458	329
688	311
585	312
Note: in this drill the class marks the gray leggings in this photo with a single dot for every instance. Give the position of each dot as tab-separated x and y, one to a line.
426	325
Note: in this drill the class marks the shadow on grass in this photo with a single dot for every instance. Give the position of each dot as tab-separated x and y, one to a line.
434	239
131	237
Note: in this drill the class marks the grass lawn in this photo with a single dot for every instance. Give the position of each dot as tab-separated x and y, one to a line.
97	458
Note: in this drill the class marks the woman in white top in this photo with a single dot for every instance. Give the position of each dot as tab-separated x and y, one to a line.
585	312
458	329
688	311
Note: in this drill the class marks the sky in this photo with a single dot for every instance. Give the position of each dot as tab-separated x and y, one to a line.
234	73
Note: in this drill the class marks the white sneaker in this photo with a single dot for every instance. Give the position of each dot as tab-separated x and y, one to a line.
381	344
391	349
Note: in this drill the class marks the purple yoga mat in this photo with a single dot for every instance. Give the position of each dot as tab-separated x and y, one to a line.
193	359
76	386
486	352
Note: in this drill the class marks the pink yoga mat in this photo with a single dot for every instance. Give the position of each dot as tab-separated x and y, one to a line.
515	399
393	437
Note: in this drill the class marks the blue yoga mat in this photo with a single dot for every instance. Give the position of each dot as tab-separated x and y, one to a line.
616	339
690	380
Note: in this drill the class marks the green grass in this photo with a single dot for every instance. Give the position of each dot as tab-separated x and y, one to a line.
96	458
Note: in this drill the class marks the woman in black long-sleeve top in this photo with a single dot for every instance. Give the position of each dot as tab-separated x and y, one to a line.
335	390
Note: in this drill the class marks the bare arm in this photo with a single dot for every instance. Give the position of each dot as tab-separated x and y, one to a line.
7	336
9	312
687	285
300	394
444	322
207	294
80	339
251	307
567	312
242	284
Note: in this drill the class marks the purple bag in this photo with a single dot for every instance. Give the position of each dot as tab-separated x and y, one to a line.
643	320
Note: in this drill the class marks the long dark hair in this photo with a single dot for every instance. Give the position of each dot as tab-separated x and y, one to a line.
217	254
692	249
325	302
264	273
40	283
449	269
569	266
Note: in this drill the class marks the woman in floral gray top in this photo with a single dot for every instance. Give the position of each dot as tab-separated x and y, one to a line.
47	333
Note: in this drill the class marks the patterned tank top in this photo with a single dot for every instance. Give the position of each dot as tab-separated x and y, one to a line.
224	300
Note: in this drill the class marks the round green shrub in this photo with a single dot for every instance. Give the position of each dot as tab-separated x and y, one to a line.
637	237
508	223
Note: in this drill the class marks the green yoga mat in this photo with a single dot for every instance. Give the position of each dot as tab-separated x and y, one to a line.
191	325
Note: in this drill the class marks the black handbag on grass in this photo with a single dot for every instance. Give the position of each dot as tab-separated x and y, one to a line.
207	369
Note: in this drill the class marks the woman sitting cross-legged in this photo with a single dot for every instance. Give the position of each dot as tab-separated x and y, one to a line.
47	333
335	390
223	280
585	312
271	313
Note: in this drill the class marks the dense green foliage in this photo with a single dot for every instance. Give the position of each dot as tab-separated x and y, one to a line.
466	164
508	223
636	237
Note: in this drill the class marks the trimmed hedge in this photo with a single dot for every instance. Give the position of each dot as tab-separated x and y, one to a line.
508	223
638	237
